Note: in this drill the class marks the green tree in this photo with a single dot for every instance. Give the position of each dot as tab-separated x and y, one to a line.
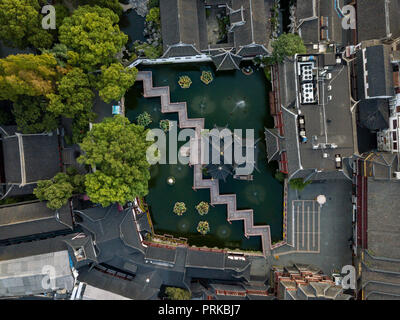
60	53
31	116
144	119
154	15
115	80
177	293
287	45
116	151
298	184
80	126
56	191
41	39
143	49
280	176
6	116
77	180
94	35
20	24
27	74
74	95
61	13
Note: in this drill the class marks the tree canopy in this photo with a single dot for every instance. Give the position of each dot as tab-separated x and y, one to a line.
153	15
116	151
115	80
31	116
177	293
287	45
60	53
56	191
94	35
74	94
20	24
298	184
27	74
80	126
144	49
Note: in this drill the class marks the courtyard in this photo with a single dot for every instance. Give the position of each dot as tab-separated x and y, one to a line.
246	108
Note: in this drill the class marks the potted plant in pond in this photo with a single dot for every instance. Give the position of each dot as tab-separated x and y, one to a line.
144	119
179	208
206	77
185	82
202	208
203	227
165	125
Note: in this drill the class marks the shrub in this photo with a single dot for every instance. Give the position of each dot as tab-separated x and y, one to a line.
177	293
165	125
179	208
143	49
206	77
203	227
154	15
279	176
298	184
185	82
202	208
144	119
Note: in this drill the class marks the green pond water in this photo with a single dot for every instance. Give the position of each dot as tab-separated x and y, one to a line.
233	100
132	24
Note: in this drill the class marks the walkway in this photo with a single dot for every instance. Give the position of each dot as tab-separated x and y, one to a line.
318	236
307	221
233	214
304	233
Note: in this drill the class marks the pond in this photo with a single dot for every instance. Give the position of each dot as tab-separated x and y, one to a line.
132	24
231	100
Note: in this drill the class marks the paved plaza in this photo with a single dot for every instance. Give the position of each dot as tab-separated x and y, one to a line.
318	235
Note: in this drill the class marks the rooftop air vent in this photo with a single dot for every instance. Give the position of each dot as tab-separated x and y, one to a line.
306	72
307	93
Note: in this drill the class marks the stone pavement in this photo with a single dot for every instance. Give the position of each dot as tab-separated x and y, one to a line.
318	235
